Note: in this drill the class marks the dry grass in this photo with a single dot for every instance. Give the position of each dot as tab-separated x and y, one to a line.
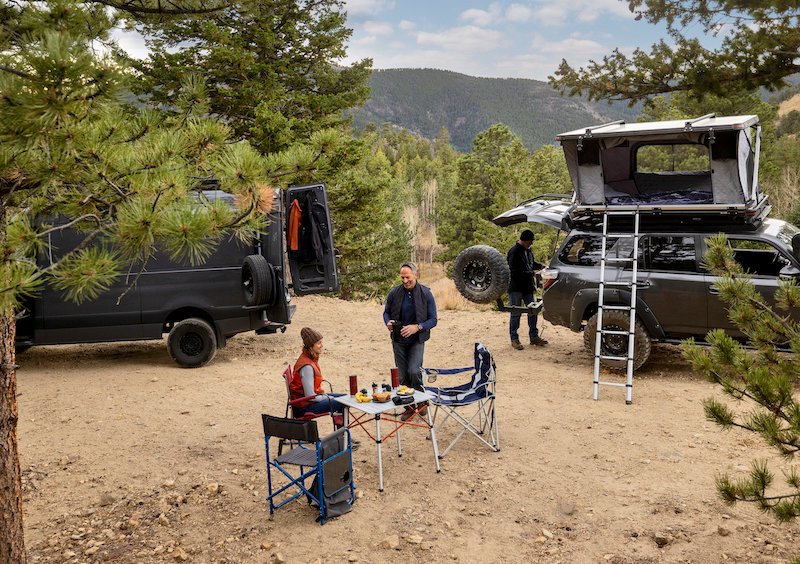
787	106
785	193
444	290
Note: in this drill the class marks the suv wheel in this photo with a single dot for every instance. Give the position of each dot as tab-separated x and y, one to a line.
192	342
617	345
481	274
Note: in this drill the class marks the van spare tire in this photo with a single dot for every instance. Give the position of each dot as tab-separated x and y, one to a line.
481	274
257	280
192	342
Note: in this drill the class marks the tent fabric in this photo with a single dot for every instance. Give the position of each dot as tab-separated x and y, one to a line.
613	182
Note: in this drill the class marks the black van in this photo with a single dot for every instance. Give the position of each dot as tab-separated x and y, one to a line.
241	287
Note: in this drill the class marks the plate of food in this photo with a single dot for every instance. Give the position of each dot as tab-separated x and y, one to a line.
405	391
381	397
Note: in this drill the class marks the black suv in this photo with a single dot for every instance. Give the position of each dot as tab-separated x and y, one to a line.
241	287
686	180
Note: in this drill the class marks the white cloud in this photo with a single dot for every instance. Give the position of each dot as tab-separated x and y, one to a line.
552	14
483	17
556	12
131	42
359	8
378	28
467	38
406	25
519	13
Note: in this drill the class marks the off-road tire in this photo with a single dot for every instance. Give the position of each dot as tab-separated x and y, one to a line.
258	280
192	343
481	274
617	345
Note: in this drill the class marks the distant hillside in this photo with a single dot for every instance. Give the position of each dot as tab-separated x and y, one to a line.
424	100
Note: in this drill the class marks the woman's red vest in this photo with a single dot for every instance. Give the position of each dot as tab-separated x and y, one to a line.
296	386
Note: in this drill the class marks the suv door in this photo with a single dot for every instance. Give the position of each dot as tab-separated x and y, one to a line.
763	260
672	284
309	240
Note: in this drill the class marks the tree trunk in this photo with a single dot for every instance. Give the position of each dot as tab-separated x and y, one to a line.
12	545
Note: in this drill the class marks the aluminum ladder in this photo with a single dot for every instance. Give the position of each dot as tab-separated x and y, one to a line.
630	308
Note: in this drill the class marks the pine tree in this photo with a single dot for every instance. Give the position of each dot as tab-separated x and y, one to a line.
69	149
764	379
759	48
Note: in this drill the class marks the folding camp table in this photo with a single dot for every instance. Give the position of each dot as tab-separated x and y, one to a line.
388	411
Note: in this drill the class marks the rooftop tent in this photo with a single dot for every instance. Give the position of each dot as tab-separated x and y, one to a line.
708	162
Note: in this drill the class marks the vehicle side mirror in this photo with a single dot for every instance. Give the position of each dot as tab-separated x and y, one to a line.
789	271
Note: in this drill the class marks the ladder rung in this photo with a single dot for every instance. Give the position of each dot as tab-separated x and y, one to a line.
617	284
614	332
618	384
609	357
614	259
621	212
622	235
616	308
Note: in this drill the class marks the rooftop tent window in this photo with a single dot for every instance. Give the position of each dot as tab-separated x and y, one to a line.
679	157
589	152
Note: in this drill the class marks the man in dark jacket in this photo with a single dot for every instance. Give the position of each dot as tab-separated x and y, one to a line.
409	315
520	288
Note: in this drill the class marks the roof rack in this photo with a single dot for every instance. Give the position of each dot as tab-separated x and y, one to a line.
707	219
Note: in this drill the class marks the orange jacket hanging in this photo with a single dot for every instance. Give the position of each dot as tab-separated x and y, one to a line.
295	217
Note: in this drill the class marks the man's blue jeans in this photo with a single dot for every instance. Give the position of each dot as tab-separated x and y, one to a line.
408	358
516	299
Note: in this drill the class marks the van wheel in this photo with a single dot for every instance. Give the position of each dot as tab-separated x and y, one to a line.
481	274
192	343
617	345
257	280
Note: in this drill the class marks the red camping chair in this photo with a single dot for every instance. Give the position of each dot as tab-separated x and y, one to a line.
293	412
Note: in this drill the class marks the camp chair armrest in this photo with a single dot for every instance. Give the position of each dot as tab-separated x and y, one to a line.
330	386
298	401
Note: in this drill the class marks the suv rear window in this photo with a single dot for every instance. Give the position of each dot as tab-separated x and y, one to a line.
674	253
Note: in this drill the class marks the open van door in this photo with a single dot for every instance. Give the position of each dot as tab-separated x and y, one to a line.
309	240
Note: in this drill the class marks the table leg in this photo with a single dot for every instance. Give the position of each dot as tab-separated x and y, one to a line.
433	438
378	441
397	432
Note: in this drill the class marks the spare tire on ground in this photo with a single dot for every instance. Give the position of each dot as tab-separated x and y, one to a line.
257	280
481	274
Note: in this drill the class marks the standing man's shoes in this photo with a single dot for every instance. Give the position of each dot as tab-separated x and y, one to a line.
538	342
517	345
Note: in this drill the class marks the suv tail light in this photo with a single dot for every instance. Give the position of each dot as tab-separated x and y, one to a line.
549	276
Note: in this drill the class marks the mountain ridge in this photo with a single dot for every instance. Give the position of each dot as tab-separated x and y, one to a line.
425	100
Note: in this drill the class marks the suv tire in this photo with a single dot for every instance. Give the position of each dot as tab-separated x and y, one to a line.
617	345
192	342
481	274
257	280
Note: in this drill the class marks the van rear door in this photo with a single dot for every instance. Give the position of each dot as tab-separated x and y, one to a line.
309	240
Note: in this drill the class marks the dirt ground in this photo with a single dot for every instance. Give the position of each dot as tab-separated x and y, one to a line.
128	458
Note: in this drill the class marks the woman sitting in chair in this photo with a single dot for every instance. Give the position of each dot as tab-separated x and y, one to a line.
307	377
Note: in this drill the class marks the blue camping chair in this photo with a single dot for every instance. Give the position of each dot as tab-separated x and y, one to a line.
327	461
471	404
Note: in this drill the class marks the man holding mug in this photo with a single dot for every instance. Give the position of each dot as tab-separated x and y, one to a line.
409	315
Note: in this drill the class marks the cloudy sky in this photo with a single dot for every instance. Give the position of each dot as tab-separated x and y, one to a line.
519	39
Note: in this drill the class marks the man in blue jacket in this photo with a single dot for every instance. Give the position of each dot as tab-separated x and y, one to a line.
520	288
409	315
